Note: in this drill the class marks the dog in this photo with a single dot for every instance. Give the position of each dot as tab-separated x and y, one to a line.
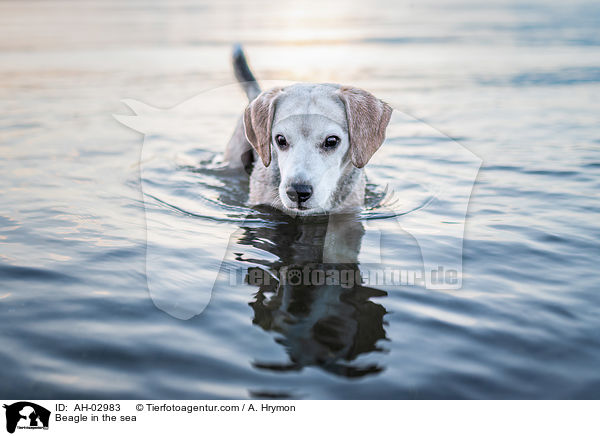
305	145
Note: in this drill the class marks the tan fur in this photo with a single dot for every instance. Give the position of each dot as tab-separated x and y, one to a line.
258	119
306	113
368	118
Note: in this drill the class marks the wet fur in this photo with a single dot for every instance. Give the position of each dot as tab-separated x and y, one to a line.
361	117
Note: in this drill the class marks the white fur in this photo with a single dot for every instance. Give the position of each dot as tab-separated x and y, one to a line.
305	114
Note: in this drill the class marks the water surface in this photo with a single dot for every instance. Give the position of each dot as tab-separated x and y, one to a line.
518	85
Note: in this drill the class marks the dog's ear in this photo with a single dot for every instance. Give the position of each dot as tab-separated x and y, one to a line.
368	118
258	118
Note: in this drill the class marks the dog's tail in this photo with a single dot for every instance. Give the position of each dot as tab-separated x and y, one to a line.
243	73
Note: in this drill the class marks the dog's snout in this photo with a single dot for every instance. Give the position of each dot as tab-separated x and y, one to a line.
299	193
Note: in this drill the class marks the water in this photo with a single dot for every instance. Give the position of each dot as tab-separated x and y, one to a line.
517	85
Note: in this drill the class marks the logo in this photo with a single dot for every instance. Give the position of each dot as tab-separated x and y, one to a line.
26	415
416	228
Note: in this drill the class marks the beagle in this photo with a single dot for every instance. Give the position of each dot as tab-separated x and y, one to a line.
305	145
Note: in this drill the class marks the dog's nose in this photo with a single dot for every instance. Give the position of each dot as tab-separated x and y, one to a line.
299	193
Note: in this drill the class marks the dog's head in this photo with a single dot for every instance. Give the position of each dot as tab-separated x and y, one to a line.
315	135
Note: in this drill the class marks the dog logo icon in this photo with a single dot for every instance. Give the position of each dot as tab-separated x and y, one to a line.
26	415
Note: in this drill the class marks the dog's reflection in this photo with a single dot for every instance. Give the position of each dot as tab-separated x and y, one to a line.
311	294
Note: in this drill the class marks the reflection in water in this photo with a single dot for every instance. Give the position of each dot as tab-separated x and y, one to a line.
311	294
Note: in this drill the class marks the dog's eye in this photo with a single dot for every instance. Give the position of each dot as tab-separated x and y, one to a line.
281	141
331	142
